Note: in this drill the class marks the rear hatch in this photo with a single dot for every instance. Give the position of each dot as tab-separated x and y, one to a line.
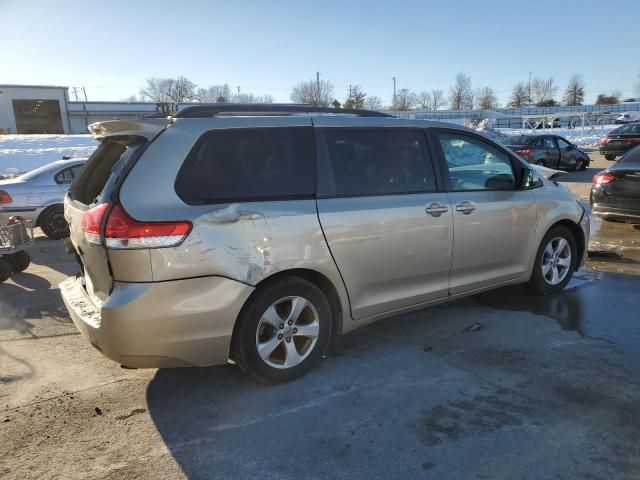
94	191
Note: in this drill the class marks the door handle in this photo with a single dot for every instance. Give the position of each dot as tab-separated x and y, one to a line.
466	207
435	209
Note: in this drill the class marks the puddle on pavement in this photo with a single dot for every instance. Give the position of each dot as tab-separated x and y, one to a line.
595	304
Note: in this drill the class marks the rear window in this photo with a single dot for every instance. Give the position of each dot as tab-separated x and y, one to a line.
106	161
519	140
627	129
249	164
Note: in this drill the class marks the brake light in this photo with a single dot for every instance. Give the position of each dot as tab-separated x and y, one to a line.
602	178
604	141
92	223
635	141
123	232
5	197
524	151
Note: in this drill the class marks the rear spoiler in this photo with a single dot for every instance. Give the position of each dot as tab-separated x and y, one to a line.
548	173
147	127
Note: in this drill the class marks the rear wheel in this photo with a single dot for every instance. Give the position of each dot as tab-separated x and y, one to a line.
610	157
282	331
53	224
19	261
555	261
5	269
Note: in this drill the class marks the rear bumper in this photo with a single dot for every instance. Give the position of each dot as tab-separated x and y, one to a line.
614	208
163	324
613	150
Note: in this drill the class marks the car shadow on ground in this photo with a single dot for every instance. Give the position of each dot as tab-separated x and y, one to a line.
582	176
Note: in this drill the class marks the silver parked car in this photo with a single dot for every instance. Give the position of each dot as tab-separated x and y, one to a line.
255	233
38	196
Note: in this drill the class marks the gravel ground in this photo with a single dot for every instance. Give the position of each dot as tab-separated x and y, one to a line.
502	385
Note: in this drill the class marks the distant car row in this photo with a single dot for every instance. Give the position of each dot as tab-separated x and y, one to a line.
550	151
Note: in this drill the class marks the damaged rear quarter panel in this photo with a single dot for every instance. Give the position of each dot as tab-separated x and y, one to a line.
249	242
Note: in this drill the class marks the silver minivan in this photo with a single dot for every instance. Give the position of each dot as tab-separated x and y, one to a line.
253	234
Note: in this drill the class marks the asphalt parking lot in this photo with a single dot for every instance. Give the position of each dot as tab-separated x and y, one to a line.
503	385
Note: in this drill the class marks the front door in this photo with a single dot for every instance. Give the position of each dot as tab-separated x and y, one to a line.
567	154
389	230
493	221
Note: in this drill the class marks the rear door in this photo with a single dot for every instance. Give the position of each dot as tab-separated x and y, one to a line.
90	189
551	155
494	223
387	225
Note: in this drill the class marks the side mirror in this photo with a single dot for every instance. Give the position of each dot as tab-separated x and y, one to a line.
527	180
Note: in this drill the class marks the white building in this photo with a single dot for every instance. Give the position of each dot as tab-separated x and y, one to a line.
47	109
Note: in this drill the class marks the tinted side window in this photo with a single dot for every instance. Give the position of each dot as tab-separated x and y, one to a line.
249	164
374	162
475	165
548	143
562	144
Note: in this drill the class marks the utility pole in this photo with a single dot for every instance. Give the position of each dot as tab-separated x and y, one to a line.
238	93
350	94
85	93
318	87
394	93
75	93
529	97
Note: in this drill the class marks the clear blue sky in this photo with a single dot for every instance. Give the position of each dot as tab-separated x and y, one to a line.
111	47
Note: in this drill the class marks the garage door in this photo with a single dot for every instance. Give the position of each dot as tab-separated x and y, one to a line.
38	116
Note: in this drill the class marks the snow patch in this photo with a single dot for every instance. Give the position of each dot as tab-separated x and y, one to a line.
26	152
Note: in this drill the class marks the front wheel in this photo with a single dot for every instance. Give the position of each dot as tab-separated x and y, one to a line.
555	261
5	269
283	330
610	157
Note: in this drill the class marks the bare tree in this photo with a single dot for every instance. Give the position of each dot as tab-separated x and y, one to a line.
318	94
574	95
405	100
130	98
174	90
437	99
461	93
612	98
373	103
486	99
424	100
543	91
519	95
156	90
356	97
215	94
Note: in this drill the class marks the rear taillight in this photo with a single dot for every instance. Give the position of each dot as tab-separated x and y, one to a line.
604	141
5	197
122	231
635	141
92	223
524	151
602	178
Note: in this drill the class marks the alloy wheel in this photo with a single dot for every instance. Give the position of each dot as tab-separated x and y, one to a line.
556	260
287	332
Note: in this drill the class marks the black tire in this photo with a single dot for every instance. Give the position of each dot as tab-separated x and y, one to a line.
5	269
579	165
541	163
585	164
610	157
19	261
538	283
245	338
53	224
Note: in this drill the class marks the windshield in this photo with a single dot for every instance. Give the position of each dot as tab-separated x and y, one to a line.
519	140
35	172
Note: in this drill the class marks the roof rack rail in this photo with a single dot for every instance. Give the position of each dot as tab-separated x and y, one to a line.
213	109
